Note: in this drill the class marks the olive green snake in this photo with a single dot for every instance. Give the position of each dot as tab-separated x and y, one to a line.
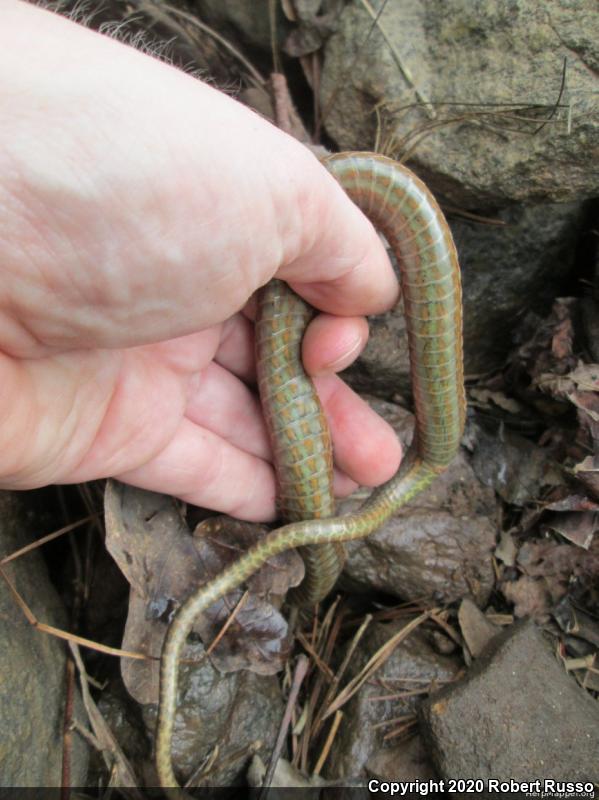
404	210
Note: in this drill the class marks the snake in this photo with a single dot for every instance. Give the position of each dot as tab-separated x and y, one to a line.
403	209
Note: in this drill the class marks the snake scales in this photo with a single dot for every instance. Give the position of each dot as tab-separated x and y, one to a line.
400	206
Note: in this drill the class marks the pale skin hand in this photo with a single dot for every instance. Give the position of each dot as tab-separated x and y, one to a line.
139	211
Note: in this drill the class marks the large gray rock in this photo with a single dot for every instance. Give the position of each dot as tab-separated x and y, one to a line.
32	667
517	714
493	73
439	545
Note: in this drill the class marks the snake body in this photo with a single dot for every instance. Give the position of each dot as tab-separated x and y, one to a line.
400	206
298	431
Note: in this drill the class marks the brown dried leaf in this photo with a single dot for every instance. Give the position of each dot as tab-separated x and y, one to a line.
587	472
578	527
549	349
559	564
258	638
476	628
486	397
587	402
316	22
143	635
529	596
572	502
585	377
513	466
576	622
506	550
587	405
149	539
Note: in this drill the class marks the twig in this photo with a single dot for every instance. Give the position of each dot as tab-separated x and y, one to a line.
124	773
274	46
341	671
398	731
377	660
60	634
44	539
329	742
392	721
67	730
228	623
158	9
298	677
406	73
324	668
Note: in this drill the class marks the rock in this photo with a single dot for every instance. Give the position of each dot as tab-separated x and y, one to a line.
517	713
407	761
590	306
247	22
438	545
32	667
230	717
507	270
510	269
359	746
493	72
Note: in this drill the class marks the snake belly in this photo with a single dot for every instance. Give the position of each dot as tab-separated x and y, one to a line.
403	209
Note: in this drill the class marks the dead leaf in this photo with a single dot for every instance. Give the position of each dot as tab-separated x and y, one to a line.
572	502
576	622
316	21
587	402
578	527
150	541
476	628
559	564
547	355
585	377
486	397
587	472
529	596
506	550
513	466
286	776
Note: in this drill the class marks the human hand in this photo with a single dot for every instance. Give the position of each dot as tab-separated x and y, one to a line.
139	210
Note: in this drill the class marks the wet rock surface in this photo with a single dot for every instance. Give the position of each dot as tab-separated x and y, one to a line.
221	718
361	746
32	667
517	713
439	546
